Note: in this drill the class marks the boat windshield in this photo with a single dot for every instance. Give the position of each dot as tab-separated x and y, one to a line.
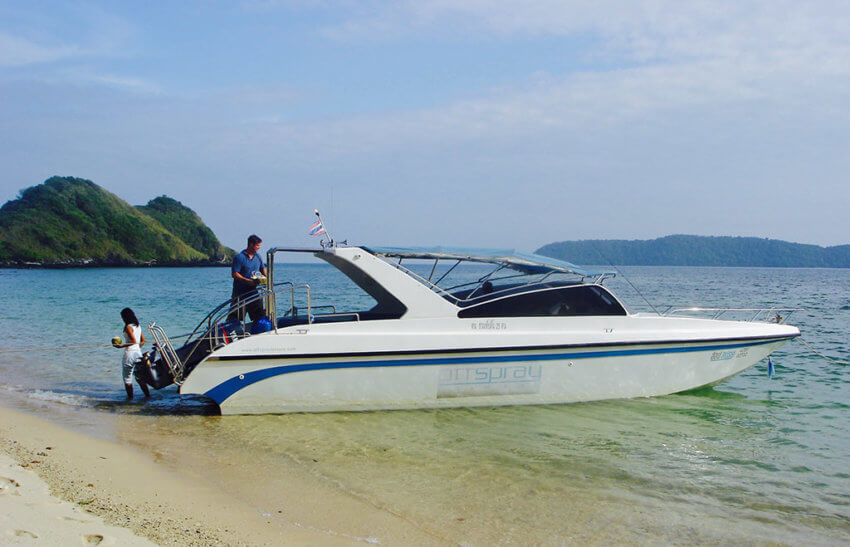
463	276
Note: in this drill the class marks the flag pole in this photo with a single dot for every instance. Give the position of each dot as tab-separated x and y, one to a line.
330	238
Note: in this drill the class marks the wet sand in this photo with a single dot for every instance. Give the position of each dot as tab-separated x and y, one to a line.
126	487
29	514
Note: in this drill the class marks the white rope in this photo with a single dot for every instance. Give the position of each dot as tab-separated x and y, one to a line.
816	352
54	348
74	347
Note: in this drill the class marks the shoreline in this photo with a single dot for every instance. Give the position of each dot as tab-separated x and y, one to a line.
96	264
129	489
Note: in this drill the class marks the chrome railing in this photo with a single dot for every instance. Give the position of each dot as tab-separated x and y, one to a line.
770	315
210	332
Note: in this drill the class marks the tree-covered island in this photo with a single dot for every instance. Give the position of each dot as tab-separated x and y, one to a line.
68	221
689	250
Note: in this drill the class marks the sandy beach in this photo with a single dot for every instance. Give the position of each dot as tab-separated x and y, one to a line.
28	513
107	493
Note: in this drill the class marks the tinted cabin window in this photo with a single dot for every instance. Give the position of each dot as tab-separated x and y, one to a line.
581	300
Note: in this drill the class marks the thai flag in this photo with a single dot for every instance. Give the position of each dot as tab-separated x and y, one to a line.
317	229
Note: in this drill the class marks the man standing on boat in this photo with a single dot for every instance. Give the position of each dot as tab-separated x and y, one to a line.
247	271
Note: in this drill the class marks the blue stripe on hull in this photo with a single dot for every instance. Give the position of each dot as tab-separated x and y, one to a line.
226	389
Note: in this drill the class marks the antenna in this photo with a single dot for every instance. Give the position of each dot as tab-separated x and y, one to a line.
621	274
321	222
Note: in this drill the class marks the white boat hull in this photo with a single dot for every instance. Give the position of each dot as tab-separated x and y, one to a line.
417	364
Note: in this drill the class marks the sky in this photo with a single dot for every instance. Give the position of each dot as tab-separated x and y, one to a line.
431	122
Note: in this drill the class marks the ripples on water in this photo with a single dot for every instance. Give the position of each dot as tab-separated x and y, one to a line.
753	459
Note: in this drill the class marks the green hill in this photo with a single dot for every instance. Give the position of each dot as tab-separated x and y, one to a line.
74	221
687	250
187	225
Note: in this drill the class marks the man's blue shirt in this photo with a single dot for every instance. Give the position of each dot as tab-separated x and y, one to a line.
246	267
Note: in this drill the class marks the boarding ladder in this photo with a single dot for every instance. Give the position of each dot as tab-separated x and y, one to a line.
169	355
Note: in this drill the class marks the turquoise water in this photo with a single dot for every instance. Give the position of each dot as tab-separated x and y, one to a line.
754	459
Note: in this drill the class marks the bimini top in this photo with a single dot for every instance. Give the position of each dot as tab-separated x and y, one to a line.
527	263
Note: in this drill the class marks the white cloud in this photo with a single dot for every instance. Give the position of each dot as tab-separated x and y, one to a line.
674	56
17	51
585	103
640	31
36	37
138	85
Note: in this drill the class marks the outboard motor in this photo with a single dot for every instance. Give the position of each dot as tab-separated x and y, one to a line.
154	371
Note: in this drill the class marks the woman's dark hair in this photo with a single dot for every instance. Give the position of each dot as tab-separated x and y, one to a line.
129	317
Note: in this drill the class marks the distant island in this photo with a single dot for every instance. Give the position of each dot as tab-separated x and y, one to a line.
73	222
688	250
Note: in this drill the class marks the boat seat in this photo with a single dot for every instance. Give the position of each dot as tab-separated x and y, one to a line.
288	321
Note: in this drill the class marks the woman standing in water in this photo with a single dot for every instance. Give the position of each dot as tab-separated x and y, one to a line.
132	351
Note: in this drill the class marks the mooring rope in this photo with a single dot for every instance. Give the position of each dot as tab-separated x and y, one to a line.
54	348
819	354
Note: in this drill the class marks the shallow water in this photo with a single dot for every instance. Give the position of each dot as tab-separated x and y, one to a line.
754	459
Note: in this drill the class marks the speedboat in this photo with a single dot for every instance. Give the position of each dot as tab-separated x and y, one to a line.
453	327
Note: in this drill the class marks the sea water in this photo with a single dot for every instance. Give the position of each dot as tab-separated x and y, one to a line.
755	459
